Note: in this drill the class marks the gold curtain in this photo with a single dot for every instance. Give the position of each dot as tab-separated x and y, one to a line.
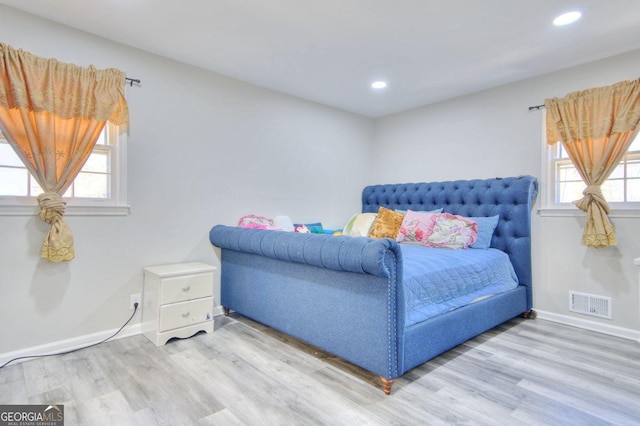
52	113
596	127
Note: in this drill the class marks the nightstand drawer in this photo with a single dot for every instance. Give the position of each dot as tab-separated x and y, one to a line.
183	314
178	289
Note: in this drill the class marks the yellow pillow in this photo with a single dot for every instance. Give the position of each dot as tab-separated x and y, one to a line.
387	224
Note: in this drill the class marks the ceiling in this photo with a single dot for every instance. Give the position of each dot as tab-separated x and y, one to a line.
330	51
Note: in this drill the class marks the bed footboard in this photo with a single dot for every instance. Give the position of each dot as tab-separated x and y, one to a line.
335	292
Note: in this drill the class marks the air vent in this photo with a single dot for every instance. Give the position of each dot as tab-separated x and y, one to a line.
590	304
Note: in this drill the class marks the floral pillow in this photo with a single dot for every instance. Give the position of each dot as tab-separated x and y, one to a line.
253	221
414	227
450	231
387	224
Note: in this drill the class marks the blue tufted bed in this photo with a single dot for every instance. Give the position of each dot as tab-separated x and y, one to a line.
352	296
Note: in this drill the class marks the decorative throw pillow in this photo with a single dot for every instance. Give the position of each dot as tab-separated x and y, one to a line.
486	227
387	224
414	227
283	222
314	228
301	229
253	221
359	224
450	231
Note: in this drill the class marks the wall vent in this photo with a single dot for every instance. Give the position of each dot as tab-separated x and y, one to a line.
590	304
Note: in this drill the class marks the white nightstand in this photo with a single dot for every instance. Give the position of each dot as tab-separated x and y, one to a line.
177	301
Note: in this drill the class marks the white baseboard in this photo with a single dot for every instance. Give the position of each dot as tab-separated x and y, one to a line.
612	330
217	311
68	344
77	342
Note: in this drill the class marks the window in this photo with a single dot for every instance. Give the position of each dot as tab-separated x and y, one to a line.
99	188
621	190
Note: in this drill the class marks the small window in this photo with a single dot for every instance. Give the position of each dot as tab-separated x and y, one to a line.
621	189
100	182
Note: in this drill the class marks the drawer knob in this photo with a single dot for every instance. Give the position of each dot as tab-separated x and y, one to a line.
187	288
186	315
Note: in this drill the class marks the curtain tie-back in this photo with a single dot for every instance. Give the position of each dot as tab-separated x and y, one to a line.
58	246
52	206
592	193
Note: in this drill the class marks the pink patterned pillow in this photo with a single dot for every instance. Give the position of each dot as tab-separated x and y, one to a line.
414	227
450	231
257	222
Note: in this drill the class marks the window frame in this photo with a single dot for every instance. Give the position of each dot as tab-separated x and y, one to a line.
115	205
549	207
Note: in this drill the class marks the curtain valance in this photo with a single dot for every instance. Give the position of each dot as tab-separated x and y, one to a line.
64	90
593	113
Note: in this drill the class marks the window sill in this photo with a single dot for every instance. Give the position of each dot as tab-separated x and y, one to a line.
575	212
71	210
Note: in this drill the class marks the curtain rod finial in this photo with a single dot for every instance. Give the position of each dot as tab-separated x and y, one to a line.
132	80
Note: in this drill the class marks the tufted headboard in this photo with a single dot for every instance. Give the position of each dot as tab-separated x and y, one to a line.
511	198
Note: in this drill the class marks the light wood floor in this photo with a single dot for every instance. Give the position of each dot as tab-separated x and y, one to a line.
523	372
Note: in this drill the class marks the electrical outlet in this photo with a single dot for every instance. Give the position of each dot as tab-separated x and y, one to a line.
134	298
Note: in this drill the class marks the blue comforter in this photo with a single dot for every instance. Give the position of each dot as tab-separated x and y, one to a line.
438	280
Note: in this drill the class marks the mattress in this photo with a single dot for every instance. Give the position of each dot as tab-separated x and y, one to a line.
438	280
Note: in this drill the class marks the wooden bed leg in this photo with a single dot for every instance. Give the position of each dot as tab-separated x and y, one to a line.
531	314
386	385
225	311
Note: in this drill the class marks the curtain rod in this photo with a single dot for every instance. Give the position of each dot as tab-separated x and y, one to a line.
132	80
531	108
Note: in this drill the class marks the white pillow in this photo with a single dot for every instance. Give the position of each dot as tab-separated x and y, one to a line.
283	222
359	224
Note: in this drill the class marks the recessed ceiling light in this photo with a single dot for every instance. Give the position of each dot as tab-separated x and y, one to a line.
379	84
567	18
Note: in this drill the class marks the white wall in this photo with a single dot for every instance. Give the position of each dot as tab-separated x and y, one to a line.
493	133
203	149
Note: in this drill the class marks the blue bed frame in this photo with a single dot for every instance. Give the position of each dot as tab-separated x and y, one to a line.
344	294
